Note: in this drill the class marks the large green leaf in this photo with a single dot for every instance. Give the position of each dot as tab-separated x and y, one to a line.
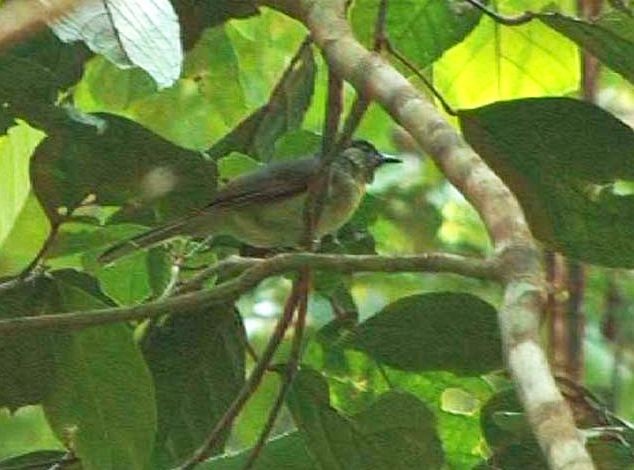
286	452
397	431
562	158
117	162
197	362
422	30
27	366
438	331
498	62
29	96
102	403
610	38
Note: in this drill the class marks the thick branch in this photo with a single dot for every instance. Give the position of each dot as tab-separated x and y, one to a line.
253	271
550	417
20	19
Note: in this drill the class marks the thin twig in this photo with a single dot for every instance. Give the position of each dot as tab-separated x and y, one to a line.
334	106
291	368
380	27
41	254
505	20
249	387
405	61
172	284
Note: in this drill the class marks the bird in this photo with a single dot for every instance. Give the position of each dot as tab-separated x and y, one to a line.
265	208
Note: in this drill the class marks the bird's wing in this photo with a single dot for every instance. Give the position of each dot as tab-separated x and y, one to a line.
274	182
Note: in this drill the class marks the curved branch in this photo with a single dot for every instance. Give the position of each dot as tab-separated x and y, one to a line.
519	315
253	271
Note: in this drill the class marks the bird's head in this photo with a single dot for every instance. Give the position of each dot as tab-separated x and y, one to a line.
362	159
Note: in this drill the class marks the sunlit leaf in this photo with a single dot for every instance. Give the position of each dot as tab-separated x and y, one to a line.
498	62
15	153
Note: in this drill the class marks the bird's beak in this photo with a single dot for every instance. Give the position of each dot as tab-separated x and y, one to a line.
385	159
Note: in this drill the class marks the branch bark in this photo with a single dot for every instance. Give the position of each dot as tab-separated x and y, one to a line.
20	19
253	270
521	270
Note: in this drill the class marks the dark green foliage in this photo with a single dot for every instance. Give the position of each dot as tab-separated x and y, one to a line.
562	157
397	431
77	160
441	331
198	365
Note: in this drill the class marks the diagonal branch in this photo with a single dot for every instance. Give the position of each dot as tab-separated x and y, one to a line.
523	277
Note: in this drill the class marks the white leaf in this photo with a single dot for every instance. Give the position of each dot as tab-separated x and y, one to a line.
145	33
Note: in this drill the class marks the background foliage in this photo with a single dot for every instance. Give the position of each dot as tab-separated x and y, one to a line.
411	372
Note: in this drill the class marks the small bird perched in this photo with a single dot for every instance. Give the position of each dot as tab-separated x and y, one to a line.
265	208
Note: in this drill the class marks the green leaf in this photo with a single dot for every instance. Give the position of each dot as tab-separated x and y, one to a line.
236	164
561	158
297	144
29	232
438	331
610	38
497	62
27	366
15	153
30	96
420	30
256	135
102	404
197	362
397	431
128	281
118	163
25	431
286	452
64	61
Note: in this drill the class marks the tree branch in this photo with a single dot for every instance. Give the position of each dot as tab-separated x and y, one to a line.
20	19
253	270
521	270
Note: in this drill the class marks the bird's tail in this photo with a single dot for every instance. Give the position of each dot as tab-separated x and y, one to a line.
142	241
